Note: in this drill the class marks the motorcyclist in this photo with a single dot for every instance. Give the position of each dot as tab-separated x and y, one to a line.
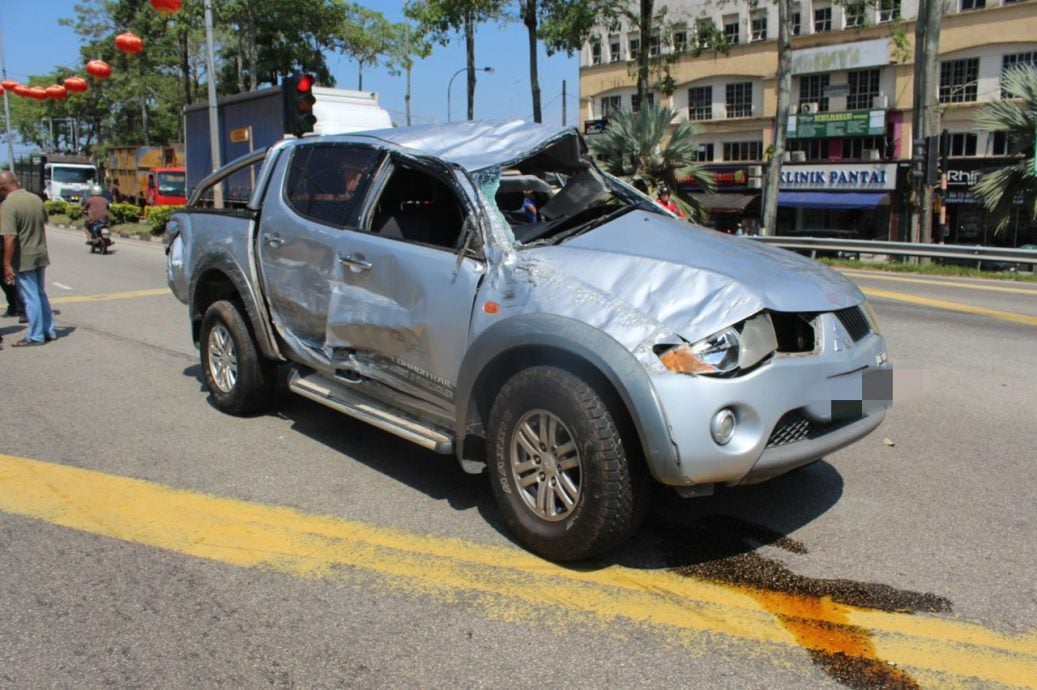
96	208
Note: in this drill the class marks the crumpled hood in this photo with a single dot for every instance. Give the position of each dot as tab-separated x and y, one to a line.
691	280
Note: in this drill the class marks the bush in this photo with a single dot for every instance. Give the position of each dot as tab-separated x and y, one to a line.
73	211
123	213
158	216
55	207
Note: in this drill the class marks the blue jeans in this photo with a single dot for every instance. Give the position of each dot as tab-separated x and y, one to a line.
31	287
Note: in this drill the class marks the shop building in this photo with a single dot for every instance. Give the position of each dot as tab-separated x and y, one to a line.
851	111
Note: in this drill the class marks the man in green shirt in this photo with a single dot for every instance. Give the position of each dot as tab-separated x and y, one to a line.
22	220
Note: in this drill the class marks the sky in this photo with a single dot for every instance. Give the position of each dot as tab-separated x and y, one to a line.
34	43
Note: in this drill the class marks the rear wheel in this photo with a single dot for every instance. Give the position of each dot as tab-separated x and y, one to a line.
560	471
240	380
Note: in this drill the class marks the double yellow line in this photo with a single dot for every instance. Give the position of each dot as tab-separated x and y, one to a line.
505	582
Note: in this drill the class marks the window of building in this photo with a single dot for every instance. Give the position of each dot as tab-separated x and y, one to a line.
610	104
614	48
812	149
759	28
634	45
596	53
855	147
705	29
864	87
700	103
680	40
958	80
822	19
963	144
635	102
973	5
853	15
999	143
1015	60
654	45
739	99
796	24
731	28
704	153
743	150
889	10
812	90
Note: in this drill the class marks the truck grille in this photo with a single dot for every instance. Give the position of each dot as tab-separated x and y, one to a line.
854	321
792	427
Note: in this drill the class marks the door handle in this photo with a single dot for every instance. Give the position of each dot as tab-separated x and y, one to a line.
356	262
273	240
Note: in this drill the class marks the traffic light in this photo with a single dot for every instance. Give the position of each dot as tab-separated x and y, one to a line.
297	90
926	159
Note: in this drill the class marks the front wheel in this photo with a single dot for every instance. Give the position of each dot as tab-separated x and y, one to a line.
240	380
568	487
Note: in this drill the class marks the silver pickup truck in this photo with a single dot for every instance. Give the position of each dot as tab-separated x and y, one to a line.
484	290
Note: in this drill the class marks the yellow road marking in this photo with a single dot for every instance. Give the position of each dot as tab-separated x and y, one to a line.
875	275
952	306
104	297
506	582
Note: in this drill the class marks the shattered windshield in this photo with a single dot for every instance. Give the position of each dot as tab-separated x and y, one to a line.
551	206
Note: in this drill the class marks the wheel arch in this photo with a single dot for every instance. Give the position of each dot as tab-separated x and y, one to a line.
536	339
220	278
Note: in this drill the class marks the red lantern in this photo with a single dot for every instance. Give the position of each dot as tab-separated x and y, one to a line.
38	92
8	84
56	91
99	69
21	90
129	42
76	84
166	6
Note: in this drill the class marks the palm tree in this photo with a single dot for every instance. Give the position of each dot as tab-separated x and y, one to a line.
1004	189
632	147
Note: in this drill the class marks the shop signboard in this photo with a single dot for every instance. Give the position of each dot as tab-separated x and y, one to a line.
728	177
839	177
595	126
849	123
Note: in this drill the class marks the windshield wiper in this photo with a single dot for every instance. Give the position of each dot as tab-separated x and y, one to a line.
593	223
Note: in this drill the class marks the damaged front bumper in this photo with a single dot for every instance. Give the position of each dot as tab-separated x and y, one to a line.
789	412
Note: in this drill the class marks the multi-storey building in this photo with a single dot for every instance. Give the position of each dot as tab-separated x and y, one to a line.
848	163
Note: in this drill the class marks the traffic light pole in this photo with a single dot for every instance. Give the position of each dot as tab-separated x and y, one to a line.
214	120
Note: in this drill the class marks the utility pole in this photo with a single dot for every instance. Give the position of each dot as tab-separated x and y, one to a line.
7	109
214	122
926	116
783	83
563	103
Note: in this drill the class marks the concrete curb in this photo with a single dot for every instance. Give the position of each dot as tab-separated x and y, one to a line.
124	235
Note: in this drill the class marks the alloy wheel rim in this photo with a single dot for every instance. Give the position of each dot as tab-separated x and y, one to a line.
223	359
546	466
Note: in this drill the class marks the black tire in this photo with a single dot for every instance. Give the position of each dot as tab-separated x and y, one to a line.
608	487
240	380
104	247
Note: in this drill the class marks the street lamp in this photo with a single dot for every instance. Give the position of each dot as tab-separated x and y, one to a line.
450	84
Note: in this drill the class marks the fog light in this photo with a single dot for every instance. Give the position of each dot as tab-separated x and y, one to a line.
723	426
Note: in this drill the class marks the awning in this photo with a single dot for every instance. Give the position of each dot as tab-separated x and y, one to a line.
724	202
838	201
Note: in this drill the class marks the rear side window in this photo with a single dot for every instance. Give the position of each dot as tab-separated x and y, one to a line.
327	182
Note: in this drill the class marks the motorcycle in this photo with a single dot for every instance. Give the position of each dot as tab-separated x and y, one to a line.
100	236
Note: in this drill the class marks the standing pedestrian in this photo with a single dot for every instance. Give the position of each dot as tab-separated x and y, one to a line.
22	227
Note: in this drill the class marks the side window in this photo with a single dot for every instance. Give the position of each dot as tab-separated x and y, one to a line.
417	206
326	182
232	190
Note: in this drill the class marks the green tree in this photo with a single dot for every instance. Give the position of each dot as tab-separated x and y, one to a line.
440	19
635	146
368	37
1012	186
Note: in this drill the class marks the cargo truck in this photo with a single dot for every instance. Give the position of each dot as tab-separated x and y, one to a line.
56	176
254	120
147	175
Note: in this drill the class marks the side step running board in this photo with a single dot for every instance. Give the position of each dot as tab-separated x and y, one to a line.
330	394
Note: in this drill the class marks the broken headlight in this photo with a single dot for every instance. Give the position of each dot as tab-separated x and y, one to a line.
732	349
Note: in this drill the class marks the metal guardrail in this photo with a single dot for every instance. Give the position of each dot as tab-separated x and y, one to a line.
932	251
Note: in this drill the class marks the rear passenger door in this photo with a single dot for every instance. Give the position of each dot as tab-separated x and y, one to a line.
401	301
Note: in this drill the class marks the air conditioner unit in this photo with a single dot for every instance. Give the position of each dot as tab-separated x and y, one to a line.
798	156
808	108
754	183
879	102
872	155
755	170
786	157
793	109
